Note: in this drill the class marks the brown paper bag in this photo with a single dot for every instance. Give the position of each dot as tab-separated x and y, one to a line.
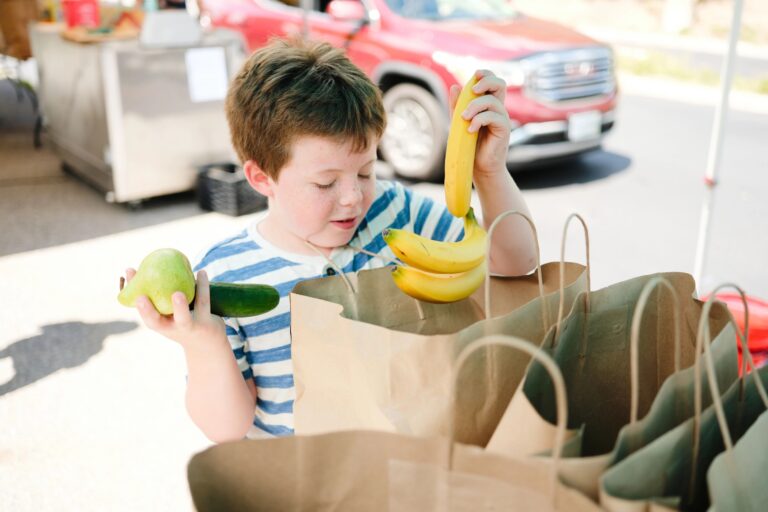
370	362
371	471
378	359
380	471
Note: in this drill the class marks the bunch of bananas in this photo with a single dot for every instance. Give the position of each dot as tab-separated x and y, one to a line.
439	271
444	272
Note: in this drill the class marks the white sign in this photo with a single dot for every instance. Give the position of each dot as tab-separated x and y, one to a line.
206	74
584	125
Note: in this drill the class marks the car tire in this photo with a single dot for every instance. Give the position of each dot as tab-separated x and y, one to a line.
417	130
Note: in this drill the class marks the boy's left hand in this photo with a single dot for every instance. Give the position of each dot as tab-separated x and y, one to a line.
487	114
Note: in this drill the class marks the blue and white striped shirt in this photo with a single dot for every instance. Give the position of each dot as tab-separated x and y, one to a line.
262	344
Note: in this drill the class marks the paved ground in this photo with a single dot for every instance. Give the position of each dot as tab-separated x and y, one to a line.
91	403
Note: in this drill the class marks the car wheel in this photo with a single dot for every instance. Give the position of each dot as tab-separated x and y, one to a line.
417	129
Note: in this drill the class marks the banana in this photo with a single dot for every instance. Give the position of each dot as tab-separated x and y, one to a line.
444	272
438	288
441	257
460	156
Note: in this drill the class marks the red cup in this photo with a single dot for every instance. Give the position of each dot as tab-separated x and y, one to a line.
81	13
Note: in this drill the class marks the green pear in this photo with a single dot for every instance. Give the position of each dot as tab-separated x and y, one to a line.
159	275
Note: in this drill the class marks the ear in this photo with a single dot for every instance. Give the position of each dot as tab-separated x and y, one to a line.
257	178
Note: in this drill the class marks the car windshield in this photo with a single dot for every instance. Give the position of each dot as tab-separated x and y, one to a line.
453	9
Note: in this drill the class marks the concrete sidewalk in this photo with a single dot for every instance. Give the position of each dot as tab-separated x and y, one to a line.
92	404
663	41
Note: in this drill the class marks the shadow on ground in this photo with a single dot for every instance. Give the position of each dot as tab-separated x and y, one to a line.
59	346
592	166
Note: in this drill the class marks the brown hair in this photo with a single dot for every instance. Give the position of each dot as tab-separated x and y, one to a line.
292	88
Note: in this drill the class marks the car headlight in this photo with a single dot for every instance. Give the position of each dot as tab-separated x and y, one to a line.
463	66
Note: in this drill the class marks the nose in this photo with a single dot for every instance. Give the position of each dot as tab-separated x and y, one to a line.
350	193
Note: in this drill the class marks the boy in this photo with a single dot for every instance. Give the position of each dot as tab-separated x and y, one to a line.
306	123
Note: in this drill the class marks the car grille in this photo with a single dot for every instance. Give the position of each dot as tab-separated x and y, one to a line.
568	75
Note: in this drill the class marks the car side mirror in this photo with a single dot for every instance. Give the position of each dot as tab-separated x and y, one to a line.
346	10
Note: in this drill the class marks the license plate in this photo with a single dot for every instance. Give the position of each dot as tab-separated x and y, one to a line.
584	125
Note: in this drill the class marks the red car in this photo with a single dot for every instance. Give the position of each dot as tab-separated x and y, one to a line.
561	84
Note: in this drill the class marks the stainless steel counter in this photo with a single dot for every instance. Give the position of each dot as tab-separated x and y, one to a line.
136	122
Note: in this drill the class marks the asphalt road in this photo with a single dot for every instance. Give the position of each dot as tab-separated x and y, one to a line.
92	404
645	198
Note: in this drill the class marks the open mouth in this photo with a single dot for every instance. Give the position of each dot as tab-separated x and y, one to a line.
345	223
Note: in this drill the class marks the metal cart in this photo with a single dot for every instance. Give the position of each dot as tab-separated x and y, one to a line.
133	121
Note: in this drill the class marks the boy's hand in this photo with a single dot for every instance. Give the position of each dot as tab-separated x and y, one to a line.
188	328
488	115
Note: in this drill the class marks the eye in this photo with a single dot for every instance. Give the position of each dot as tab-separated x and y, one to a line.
364	176
325	187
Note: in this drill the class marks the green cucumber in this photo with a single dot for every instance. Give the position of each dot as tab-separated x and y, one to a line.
238	300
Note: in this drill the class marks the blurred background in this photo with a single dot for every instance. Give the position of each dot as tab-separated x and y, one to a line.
113	143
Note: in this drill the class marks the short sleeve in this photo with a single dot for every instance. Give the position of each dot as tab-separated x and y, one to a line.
239	347
432	219
214	261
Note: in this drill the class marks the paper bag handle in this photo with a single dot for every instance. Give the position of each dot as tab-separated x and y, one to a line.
637	318
554	372
496	221
704	332
561	307
334	266
704	336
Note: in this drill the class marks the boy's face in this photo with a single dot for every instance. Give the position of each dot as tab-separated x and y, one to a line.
323	192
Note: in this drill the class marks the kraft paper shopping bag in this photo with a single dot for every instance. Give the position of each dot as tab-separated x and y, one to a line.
670	472
374	358
592	346
382	471
672	406
736	479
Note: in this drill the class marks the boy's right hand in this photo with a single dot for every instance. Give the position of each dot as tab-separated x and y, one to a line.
189	328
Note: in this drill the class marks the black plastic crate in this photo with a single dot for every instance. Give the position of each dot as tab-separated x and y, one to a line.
222	188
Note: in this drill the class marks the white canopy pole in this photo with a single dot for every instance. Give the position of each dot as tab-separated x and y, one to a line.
716	143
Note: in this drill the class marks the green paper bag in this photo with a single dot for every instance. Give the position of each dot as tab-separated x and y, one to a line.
737	479
670	472
660	474
672	405
592	351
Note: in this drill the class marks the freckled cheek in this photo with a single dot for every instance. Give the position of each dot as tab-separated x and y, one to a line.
312	210
369	193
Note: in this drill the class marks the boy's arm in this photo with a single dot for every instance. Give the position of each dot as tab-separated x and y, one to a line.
513	249
219	400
